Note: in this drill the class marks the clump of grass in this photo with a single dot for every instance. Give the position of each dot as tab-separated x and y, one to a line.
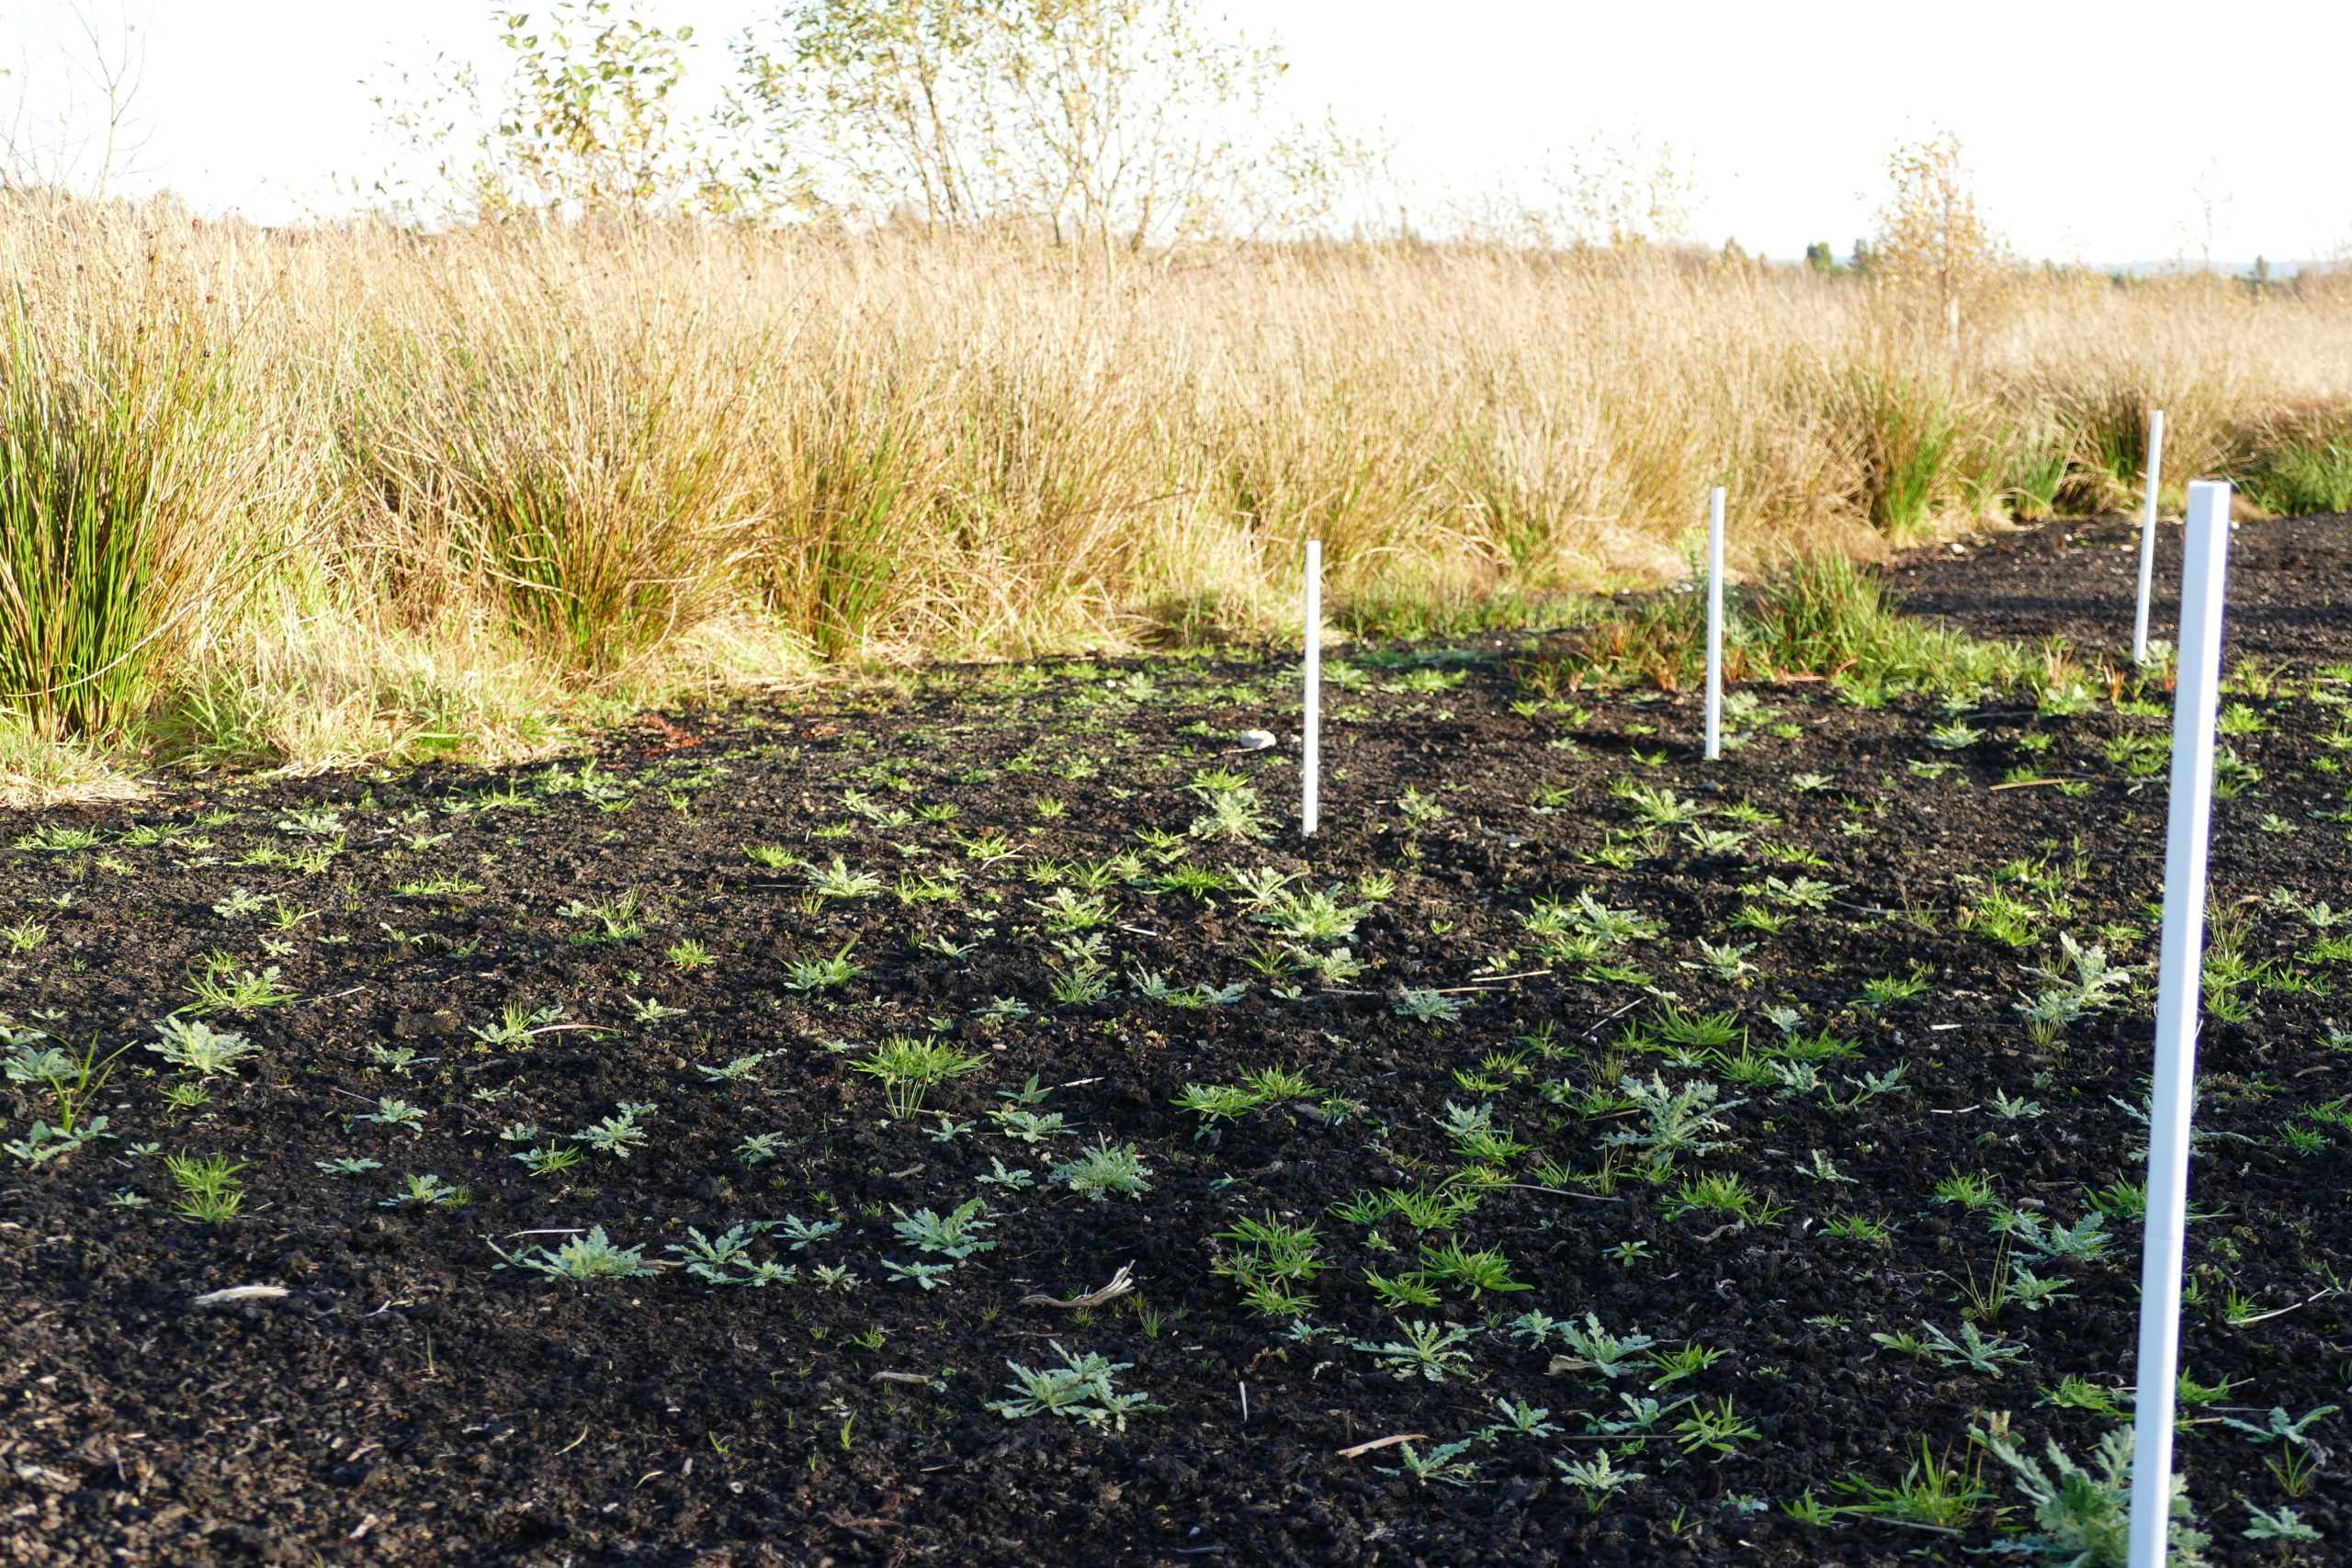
1817	614
572	461
580	476
1907	436
117	456
2299	461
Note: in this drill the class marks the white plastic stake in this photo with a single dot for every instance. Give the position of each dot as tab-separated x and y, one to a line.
2196	699
1310	773
1715	624
2148	533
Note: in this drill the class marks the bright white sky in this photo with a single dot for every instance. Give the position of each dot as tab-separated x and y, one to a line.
2098	132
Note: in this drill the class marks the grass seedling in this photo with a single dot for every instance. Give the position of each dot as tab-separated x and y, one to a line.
1971	1190
1269	1263
907	1067
1887	989
1934	1492
242	992
816	974
55	838
1705	1030
1476	1273
1719	1428
2002	917
1859	1227
618	919
1673	1366
209	1192
1723	1194
837	881
1408	1289
517	1023
549	1160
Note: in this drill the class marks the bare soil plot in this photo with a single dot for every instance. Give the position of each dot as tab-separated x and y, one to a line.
1567	1098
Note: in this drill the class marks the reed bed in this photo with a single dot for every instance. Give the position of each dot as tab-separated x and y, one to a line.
316	496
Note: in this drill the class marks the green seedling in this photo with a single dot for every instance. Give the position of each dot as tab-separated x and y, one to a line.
2084	1514
1427	1007
1424	1350
1597	1479
1104	1171
1443	1463
1674	1122
428	1191
954	1235
618	1136
518	1023
1595	1348
582	1261
1083	1388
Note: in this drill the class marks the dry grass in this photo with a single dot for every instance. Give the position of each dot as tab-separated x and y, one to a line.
480	475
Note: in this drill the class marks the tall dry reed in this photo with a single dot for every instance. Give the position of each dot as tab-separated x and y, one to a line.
480	474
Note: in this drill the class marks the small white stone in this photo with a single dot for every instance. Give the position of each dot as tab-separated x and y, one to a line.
1254	739
241	1293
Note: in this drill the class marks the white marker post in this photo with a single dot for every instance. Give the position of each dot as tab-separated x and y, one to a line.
1310	773
2196	699
1715	623
2148	533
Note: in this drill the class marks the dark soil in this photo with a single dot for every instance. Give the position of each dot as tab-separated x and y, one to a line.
408	1401
2291	586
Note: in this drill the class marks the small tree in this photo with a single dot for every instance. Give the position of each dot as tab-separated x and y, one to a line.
1933	253
1119	122
581	124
